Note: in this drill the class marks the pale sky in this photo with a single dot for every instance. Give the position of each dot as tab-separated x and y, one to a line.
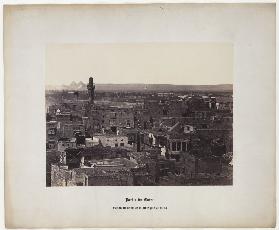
148	63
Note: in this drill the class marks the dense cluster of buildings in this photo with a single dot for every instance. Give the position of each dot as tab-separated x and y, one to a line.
138	138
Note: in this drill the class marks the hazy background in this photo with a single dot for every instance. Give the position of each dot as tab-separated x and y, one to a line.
148	63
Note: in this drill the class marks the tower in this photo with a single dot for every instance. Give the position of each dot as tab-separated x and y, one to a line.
90	106
91	90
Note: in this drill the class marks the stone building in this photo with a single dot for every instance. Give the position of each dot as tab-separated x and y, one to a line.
51	130
90	142
69	129
113	140
61	176
112	118
64	143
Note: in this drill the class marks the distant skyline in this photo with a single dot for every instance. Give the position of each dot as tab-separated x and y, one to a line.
146	63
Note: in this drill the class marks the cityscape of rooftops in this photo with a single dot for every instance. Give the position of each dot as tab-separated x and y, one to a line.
139	135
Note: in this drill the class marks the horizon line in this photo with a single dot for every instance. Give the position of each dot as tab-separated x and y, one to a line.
137	84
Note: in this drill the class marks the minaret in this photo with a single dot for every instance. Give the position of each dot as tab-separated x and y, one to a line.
91	90
91	95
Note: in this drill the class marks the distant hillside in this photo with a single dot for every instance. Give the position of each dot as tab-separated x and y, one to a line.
80	86
162	87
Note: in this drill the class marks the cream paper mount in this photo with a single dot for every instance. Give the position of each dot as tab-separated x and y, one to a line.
31	31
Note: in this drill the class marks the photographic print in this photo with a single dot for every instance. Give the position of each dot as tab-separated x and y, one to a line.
139	114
